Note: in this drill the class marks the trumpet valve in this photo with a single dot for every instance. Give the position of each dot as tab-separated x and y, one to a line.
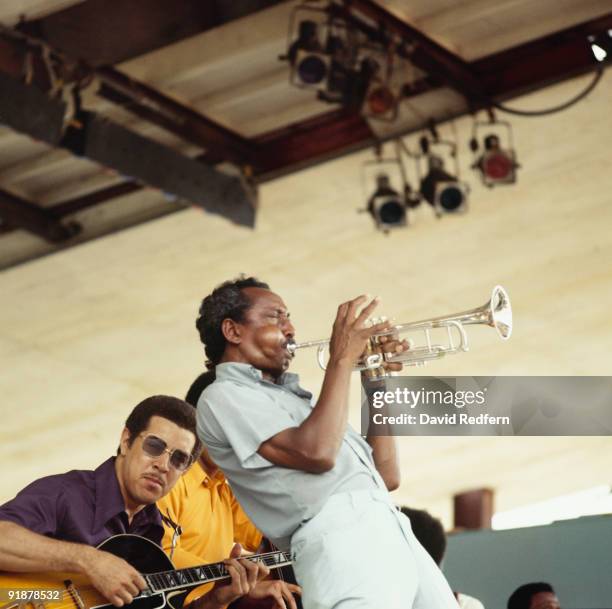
372	321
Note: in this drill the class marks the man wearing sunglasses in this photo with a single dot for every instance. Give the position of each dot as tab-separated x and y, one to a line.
303	475
55	523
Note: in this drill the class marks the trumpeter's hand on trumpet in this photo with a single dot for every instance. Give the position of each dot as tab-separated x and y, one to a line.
390	346
354	336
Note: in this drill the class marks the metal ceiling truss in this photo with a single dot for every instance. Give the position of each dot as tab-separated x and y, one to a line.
500	76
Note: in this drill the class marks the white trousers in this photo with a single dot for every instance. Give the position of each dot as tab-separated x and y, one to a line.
359	552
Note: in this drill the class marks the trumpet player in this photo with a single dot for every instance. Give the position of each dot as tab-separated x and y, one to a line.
308	481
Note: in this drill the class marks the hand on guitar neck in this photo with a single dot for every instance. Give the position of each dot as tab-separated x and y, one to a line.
245	575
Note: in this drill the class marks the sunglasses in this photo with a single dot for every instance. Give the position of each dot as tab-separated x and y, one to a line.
155	447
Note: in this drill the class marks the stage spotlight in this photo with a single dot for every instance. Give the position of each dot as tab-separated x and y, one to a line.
380	100
381	103
346	60
382	96
497	164
444	192
309	63
386	206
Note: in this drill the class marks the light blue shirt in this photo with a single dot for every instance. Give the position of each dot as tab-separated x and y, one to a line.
240	411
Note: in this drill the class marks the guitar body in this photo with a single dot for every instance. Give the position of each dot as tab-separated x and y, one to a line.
168	586
144	555
75	590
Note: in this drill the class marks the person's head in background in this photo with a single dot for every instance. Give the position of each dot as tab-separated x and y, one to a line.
429	531
193	395
197	387
536	595
431	535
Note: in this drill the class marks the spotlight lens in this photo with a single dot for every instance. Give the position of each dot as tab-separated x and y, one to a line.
498	166
312	70
380	100
451	198
391	212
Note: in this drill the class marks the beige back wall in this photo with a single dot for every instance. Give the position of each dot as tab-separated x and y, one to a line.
89	332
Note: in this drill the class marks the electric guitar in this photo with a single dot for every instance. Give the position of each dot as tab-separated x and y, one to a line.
166	586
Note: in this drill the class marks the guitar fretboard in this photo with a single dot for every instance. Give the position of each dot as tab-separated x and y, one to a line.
195	576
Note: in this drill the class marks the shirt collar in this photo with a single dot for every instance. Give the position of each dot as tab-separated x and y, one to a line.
237	371
197	476
109	500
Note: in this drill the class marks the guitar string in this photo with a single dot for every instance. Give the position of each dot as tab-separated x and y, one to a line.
255	557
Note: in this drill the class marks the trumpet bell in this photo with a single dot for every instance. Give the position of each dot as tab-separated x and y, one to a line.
501	312
496	313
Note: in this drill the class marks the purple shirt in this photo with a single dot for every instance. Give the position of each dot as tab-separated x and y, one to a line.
80	506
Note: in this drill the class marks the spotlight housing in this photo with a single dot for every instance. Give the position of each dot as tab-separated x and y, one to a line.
382	96
309	64
381	102
497	164
386	206
443	191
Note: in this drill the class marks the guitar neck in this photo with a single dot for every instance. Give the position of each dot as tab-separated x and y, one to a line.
190	577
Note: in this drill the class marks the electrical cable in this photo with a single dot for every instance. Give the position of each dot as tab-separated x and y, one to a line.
598	74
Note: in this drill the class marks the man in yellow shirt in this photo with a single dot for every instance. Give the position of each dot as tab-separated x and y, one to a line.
210	518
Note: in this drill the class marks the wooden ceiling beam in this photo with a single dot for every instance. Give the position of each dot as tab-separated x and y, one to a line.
134	96
315	140
19	213
542	62
127	187
426	54
133	28
77	204
153	106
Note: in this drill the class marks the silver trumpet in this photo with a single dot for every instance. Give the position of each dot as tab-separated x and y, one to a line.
496	313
